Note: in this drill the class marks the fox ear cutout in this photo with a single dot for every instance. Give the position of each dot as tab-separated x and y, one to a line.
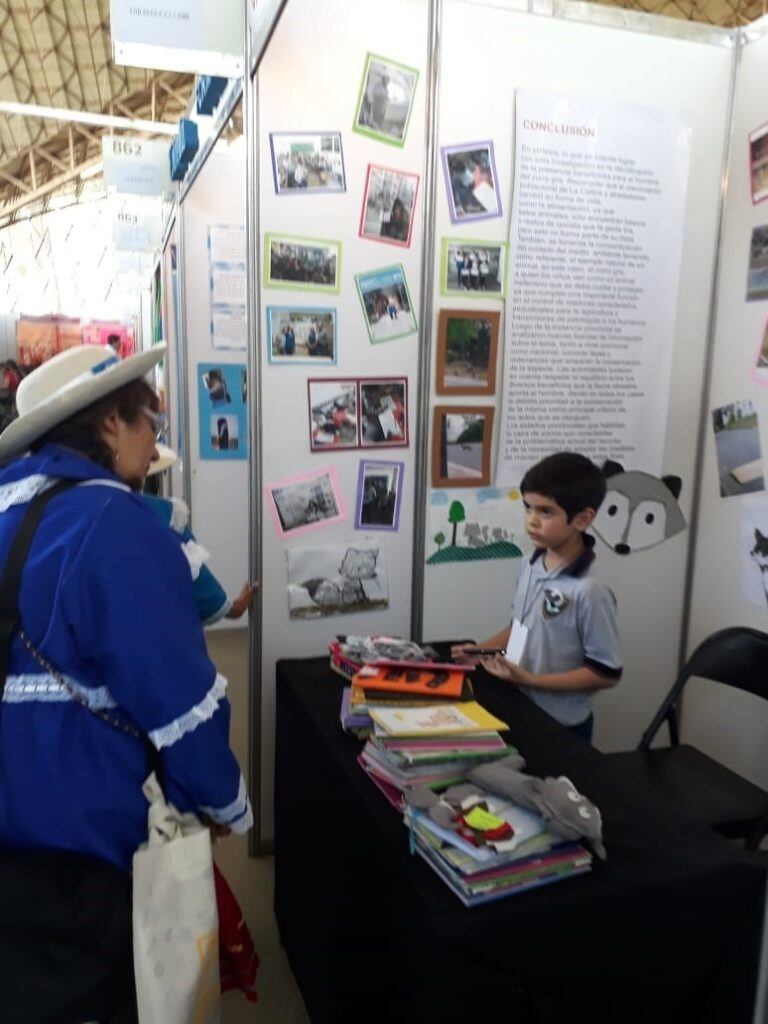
612	468
759	538
674	484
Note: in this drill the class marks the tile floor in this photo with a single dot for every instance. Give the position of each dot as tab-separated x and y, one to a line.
252	879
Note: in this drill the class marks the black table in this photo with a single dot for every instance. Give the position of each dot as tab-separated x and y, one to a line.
667	929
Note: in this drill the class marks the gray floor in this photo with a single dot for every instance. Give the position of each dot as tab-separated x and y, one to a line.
252	880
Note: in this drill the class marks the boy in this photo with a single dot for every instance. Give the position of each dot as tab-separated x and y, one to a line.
563	643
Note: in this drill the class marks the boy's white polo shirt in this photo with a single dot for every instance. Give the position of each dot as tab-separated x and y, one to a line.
571	620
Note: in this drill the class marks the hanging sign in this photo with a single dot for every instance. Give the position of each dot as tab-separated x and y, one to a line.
200	36
136	166
136	232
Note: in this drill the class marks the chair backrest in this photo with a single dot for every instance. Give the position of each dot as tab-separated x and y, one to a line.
737	656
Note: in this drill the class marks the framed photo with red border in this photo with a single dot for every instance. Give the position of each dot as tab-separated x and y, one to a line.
383	405
389	201
333	413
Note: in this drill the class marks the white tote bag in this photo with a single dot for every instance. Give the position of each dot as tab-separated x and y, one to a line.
175	922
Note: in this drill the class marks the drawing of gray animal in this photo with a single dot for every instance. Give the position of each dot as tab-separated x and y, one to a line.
639	510
485	534
473	535
759	554
498	535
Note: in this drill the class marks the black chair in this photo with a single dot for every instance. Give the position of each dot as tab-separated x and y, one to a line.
704	789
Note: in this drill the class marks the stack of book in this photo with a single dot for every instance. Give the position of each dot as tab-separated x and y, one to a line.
350	653
432	746
479	872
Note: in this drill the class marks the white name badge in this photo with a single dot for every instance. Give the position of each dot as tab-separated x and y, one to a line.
518	636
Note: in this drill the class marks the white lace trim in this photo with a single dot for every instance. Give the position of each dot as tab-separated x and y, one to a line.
179	515
229	814
167	735
242	824
106	483
29	687
196	555
21	491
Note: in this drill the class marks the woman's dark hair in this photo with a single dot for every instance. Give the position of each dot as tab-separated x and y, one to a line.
572	480
82	431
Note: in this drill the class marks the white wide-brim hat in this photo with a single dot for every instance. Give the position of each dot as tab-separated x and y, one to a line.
166	457
65	384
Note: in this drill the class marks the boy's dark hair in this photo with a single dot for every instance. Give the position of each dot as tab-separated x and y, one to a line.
82	431
572	480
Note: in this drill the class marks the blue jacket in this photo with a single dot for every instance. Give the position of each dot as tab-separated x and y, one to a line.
210	597
106	597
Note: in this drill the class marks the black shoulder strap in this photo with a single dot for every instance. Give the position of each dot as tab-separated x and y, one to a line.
10	580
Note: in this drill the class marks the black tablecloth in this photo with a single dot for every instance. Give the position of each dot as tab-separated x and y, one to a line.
667	929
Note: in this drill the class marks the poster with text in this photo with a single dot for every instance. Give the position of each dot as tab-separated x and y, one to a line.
595	248
226	262
222	394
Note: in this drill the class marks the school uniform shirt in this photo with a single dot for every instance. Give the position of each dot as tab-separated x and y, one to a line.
571	620
107	599
210	597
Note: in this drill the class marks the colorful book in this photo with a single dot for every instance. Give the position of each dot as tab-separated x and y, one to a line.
443	720
434	685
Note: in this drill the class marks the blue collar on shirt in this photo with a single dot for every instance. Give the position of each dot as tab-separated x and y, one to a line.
55	461
580	564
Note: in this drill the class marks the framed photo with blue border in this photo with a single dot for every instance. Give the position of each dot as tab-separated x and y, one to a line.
302	334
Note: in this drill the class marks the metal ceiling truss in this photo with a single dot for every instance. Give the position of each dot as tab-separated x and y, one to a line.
725	13
58	53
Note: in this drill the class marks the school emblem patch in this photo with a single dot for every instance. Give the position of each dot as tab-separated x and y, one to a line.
555	602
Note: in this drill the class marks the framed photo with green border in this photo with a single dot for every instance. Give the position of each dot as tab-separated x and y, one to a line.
473	269
385	100
387	304
307	264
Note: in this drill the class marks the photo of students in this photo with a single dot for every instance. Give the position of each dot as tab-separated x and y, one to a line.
471	182
307	162
390	197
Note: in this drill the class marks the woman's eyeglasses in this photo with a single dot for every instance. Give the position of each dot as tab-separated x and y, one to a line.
157	420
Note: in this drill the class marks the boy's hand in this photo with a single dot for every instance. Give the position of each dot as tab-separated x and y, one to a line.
465	654
501	668
243	601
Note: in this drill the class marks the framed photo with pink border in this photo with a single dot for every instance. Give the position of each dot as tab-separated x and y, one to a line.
389	199
758	163
304	502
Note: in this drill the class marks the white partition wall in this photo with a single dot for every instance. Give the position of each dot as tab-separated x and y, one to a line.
309	80
219	488
489	51
729	587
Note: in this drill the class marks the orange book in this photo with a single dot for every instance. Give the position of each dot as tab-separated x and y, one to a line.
380	679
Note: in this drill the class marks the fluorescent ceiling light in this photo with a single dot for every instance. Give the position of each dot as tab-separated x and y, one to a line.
87	117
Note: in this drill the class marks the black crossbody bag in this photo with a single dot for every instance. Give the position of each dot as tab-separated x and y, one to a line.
65	918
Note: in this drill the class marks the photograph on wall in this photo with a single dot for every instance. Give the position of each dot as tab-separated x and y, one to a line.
221	400
473	269
461	446
474	527
754	551
311	264
737	446
386	303
385	100
760	367
383	412
336	580
758	163
304	502
301	334
757	277
305	163
467	341
333	420
379	494
471	181
389	198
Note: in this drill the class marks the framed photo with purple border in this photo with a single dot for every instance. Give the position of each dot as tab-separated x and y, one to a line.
471	181
306	163
379	494
383	405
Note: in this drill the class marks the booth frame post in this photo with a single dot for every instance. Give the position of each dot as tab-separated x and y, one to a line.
181	355
709	354
421	479
253	362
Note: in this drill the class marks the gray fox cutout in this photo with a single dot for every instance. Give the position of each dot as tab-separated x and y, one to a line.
759	554
639	510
